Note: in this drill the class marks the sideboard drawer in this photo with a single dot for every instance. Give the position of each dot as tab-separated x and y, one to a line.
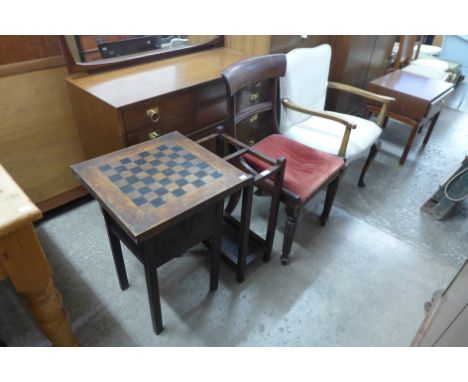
186	124
171	106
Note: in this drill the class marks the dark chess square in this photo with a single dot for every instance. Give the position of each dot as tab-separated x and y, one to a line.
152	178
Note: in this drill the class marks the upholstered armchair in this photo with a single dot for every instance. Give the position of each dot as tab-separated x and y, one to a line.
303	92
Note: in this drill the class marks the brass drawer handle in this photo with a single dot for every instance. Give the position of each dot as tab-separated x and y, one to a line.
251	142
154	134
253	118
254	97
153	114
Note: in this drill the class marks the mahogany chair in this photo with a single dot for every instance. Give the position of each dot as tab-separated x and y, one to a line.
252	105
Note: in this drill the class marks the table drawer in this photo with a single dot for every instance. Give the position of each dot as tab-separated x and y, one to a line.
404	104
186	124
159	110
437	105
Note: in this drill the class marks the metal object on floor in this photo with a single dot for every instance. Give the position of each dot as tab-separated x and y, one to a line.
449	194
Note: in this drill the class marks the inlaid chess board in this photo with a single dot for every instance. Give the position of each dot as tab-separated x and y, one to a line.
151	185
153	177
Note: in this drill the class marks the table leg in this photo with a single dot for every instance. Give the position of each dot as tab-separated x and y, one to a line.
23	260
431	127
216	247
116	249
152	285
246	212
409	143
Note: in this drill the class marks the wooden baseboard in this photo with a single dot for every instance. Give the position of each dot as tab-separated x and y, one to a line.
61	199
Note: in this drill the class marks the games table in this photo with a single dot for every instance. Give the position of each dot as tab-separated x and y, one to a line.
160	198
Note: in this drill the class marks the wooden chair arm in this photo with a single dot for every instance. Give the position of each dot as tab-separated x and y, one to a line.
384	100
360	92
323	114
288	103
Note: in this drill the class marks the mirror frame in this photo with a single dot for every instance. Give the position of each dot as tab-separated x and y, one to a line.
118	62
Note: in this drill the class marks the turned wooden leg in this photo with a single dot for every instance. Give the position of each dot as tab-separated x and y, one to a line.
24	262
373	152
46	306
431	127
329	198
292	212
409	143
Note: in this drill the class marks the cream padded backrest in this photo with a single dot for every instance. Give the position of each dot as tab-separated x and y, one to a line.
305	82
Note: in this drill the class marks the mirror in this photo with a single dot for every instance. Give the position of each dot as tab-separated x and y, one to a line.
91	52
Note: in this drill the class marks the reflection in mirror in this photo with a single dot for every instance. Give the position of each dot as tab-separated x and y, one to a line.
114	48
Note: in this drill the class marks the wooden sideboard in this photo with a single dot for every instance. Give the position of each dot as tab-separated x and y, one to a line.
123	107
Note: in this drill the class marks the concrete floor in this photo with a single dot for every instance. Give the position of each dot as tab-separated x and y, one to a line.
361	280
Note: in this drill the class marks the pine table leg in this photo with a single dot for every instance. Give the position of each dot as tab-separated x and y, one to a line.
24	262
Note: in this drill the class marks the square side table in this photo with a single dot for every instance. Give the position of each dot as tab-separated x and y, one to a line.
418	100
160	198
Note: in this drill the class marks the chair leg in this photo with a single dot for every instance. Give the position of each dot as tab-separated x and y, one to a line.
292	212
373	152
329	198
385	122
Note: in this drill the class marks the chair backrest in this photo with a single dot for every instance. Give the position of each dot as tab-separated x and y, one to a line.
252	97
305	82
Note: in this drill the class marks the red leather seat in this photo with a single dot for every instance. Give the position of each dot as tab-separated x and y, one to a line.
307	169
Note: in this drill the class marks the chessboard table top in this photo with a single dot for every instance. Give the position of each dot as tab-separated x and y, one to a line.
150	186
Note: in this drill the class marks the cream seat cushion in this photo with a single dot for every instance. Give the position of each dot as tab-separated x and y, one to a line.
430	50
432	63
326	135
427	71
